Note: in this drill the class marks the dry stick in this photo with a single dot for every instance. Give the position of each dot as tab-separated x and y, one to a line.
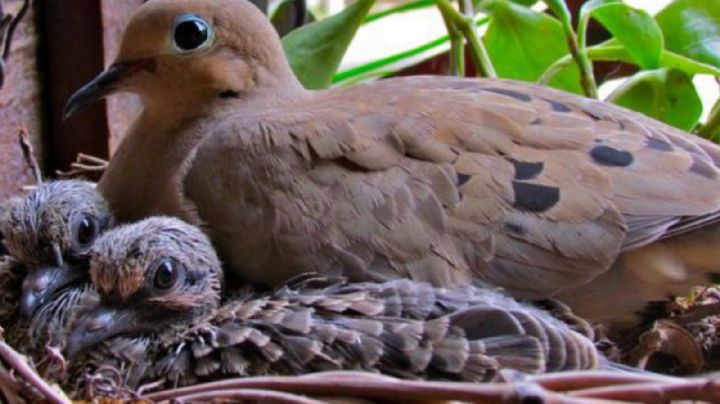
701	390
697	313
250	395
29	155
17	363
567	381
376	389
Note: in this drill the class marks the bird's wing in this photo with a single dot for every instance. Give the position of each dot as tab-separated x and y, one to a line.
432	178
402	328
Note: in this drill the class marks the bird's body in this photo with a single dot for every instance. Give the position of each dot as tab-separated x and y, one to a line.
160	315
435	179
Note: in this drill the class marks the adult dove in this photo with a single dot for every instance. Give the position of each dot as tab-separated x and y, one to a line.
160	310
437	179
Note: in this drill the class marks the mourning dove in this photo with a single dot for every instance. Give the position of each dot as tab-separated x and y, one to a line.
436	179
159	283
48	234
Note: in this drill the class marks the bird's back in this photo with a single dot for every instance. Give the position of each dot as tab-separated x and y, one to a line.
443	179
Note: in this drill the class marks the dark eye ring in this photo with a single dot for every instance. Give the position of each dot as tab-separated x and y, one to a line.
167	274
85	231
191	33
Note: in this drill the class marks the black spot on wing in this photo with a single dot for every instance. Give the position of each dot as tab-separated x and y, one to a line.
658	144
515	228
463	178
592	116
536	121
609	156
703	168
558	106
510	93
535	198
229	94
525	170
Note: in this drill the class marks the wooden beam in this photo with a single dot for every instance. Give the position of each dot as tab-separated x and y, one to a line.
71	54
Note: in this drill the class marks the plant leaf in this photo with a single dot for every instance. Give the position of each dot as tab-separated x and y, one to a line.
665	94
523	43
316	50
633	28
692	29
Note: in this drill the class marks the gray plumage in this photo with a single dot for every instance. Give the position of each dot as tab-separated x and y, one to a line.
182	332
47	234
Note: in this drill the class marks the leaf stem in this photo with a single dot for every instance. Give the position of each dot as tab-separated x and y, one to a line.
466	25
457	46
577	47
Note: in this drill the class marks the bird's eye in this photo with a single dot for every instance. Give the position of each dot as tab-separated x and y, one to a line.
85	231
191	33
166	276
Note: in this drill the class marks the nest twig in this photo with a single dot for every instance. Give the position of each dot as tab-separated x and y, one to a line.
29	156
18	364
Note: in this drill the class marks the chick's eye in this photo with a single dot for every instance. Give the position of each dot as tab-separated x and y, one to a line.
191	33
86	231
166	275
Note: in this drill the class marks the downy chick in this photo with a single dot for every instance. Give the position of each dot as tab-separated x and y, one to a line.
49	233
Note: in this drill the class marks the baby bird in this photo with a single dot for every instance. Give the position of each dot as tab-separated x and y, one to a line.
159	283
49	233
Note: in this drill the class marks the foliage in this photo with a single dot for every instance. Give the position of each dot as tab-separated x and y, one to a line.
548	47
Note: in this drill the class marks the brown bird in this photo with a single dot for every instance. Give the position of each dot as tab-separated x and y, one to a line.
435	179
159	283
48	234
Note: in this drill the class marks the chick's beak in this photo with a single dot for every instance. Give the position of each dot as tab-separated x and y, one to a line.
103	85
42	284
97	326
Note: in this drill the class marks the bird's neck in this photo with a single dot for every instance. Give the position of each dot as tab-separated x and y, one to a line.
145	172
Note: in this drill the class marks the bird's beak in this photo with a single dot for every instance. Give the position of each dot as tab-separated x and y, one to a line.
42	284
97	326
103	85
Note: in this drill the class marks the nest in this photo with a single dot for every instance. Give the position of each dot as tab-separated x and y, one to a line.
683	341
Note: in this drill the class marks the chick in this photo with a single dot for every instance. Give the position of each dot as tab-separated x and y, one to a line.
49	233
161	316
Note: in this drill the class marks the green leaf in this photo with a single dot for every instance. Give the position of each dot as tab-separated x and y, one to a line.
618	53
633	28
664	94
523	43
692	29
316	50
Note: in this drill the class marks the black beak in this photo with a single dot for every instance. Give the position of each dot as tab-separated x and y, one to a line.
42	284
103	85
97	326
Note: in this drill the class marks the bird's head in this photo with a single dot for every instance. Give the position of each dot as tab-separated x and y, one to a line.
150	274
50	232
188	52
